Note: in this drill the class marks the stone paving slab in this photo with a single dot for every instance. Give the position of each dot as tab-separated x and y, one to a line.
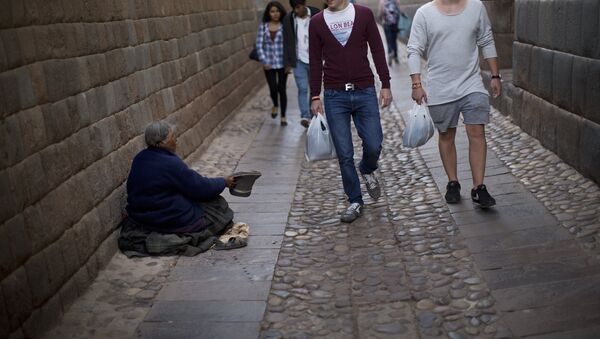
225	290
570	292
198	330
218	311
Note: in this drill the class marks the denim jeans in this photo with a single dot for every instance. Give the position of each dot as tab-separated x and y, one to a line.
301	76
362	107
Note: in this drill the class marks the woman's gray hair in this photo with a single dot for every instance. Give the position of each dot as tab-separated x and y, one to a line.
157	132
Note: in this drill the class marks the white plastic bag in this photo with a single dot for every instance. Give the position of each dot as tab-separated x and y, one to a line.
319	145
420	127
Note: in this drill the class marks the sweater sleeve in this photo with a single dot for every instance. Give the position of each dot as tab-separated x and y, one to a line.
485	38
315	55
377	50
417	43
195	186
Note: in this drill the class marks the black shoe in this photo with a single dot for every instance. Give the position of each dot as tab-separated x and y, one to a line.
453	192
482	197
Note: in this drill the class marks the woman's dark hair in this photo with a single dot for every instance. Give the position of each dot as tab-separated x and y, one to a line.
267	17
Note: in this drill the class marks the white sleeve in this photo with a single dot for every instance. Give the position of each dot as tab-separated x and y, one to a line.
417	43
485	37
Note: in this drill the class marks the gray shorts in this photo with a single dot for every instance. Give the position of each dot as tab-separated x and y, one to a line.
475	108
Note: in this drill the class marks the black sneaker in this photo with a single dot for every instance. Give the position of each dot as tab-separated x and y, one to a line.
453	192
372	185
481	196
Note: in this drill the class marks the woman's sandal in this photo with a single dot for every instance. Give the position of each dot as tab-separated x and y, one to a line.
232	243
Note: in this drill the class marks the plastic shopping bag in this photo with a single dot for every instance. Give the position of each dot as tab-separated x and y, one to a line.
319	145
419	128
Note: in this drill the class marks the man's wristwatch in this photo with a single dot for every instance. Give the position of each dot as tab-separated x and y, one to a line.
496	76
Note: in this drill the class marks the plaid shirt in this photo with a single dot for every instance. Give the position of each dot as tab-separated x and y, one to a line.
270	52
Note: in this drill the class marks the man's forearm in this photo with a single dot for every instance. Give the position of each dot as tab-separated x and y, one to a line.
493	64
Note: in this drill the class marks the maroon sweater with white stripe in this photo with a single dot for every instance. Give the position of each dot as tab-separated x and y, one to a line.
349	63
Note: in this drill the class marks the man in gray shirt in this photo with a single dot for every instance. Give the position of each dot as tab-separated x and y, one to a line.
448	34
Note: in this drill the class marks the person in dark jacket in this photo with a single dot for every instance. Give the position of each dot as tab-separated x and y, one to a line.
295	51
164	194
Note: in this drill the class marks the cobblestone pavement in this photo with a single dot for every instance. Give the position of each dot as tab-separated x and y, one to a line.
124	292
400	271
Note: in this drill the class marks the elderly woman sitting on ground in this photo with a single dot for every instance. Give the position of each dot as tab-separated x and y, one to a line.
171	208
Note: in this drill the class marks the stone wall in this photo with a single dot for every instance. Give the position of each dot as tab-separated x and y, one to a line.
79	81
554	95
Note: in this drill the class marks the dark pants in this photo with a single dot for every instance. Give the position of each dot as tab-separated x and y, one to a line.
277	78
391	36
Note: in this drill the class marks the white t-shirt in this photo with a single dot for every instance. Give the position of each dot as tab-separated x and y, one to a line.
340	23
302	36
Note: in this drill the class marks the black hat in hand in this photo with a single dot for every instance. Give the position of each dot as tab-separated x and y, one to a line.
243	183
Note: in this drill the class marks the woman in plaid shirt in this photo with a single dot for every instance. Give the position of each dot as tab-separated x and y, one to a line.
269	46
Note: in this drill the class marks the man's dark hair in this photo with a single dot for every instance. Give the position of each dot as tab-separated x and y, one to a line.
267	17
293	3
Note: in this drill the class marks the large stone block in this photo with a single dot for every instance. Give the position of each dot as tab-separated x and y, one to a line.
27	44
36	227
118	64
31	178
4	319
586	101
17	297
56	163
38	81
527	21
531	114
521	64
44	318
562	73
574	43
558	25
82	231
68	294
20	243
544	61
545	16
7	260
57	121
11	144
62	77
591	107
11	46
3	58
105	135
590	29
548	126
33	130
57	273
9	94
568	136
589	150
37	275
24	85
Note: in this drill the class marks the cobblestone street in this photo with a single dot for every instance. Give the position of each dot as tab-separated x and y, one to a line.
410	267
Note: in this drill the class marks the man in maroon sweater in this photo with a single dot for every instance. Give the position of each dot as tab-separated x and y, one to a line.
339	38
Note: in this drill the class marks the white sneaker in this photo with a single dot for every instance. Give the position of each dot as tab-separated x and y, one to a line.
352	212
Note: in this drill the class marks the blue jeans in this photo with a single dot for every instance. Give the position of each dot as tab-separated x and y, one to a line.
363	108
301	76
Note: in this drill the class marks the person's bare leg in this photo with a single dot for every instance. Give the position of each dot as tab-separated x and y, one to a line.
448	153
477	152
